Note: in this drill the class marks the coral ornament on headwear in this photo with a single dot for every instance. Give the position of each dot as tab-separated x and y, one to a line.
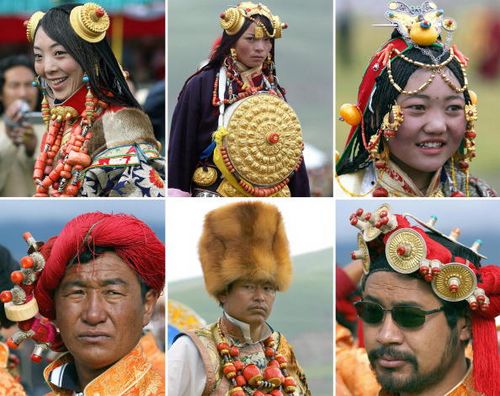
453	270
233	18
89	21
131	240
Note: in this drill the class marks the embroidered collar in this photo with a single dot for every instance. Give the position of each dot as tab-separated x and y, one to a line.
398	183
76	100
251	77
134	364
241	331
65	377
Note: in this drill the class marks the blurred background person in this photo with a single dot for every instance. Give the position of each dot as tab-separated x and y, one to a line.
19	136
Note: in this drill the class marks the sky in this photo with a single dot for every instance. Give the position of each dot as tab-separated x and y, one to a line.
46	217
308	223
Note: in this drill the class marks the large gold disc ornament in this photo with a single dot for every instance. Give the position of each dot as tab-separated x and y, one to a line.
205	176
404	250
264	141
454	274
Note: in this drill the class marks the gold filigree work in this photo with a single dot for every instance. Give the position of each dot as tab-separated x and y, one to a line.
458	274
404	250
257	159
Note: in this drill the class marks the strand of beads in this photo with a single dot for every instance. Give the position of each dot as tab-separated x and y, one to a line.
64	178
248	379
44	174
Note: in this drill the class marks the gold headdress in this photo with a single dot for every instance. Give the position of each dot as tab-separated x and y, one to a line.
233	19
89	21
31	25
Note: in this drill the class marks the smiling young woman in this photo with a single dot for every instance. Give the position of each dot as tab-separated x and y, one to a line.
98	141
412	129
232	132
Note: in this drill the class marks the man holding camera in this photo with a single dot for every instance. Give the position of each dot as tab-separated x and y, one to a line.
19	138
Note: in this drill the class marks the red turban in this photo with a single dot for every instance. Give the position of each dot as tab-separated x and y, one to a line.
131	239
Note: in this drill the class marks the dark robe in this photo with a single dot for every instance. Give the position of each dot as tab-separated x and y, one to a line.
193	123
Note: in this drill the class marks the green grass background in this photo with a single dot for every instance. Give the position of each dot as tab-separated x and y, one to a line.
303	313
469	38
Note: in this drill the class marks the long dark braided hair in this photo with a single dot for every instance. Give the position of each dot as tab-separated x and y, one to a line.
356	156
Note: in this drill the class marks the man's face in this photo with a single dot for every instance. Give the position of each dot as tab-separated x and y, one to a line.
411	359
249	301
18	85
100	311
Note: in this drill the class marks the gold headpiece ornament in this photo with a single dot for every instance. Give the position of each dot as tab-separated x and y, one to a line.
31	25
90	22
422	25
411	249
233	18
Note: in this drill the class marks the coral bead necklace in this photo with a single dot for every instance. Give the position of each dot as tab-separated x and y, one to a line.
248	379
244	90
59	166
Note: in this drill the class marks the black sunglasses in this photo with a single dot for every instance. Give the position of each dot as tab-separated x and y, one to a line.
408	317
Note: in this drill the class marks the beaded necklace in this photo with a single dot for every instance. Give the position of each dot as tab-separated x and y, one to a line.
247	379
62	179
233	76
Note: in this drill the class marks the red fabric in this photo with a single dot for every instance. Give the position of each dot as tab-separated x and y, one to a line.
435	251
484	334
368	82
132	240
13	30
486	371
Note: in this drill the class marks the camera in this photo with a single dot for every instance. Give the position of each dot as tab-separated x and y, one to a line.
27	116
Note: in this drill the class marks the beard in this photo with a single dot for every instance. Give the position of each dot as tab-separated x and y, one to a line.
416	381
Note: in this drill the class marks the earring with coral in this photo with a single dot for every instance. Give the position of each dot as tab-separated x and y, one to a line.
392	121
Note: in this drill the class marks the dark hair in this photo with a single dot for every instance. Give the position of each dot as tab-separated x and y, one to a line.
96	59
88	255
8	63
356	156
227	42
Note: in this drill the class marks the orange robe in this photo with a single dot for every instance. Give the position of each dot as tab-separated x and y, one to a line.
353	374
132	375
153	353
8	384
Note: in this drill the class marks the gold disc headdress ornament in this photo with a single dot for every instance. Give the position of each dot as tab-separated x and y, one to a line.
89	21
410	249
453	270
233	19
259	146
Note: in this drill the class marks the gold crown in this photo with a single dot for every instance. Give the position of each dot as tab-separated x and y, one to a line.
90	22
31	25
233	18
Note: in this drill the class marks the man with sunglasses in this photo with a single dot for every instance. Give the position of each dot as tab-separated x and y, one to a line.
245	259
424	297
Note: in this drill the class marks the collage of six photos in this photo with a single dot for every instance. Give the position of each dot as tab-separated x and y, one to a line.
353	250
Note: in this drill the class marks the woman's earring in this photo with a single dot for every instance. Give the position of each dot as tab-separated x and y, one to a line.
470	134
39	83
89	100
392	121
233	54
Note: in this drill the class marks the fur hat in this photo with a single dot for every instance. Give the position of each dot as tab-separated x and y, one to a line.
244	240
